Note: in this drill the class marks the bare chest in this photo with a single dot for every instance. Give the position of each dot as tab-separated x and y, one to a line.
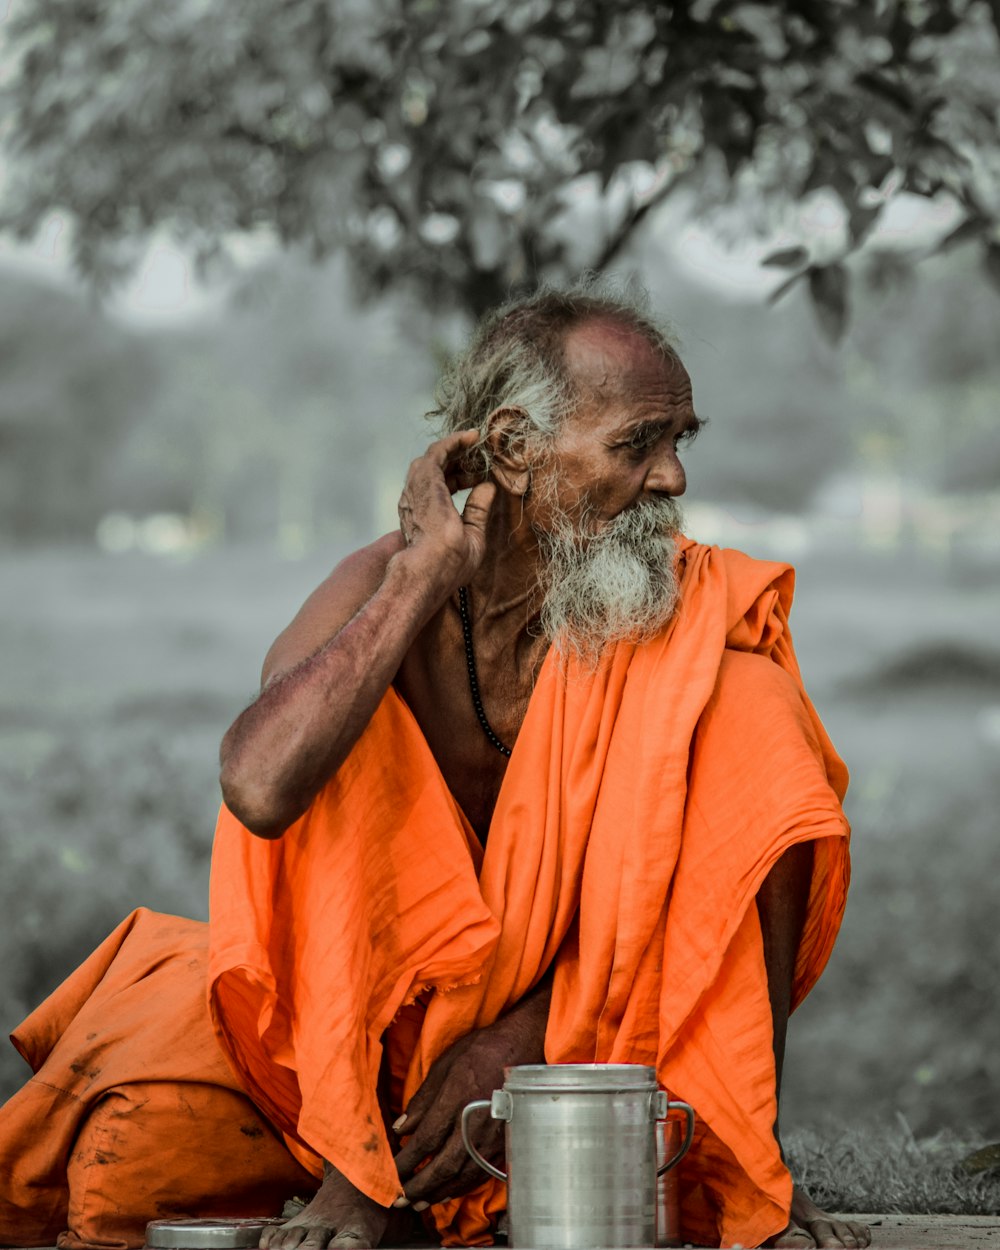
437	690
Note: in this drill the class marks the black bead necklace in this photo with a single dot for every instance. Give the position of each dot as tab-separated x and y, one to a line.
477	698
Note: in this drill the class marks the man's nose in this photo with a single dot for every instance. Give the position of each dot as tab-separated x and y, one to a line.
666	474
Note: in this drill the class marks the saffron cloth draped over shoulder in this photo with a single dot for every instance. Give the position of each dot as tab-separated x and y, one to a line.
642	808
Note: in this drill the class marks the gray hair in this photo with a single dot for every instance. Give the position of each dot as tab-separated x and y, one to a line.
515	360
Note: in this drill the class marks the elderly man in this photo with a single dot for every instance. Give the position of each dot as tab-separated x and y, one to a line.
531	765
533	781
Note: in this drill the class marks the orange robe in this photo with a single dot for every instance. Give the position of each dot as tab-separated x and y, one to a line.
133	1113
642	808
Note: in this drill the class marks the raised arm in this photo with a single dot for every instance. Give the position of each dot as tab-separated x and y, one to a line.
328	671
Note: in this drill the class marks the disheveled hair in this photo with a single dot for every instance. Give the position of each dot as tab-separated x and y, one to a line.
516	359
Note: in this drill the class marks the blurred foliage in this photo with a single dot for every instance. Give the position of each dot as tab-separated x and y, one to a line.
451	143
916	962
111	817
70	385
291	418
911	392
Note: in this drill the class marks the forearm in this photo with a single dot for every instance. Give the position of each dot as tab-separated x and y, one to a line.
528	1020
280	752
535	1004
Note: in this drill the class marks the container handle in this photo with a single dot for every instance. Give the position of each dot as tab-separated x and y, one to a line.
478	1105
663	1109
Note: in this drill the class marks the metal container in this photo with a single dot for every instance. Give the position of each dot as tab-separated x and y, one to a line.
668	1204
581	1149
224	1234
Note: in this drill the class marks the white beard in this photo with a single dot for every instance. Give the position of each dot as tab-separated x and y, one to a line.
615	585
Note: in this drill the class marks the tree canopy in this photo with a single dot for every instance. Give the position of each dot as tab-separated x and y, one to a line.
450	144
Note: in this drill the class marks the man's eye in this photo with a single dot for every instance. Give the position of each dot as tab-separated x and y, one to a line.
644	439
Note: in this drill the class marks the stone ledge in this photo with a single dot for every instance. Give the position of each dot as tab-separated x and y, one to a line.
933	1232
909	1232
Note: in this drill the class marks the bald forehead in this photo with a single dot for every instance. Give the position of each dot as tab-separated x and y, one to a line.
605	356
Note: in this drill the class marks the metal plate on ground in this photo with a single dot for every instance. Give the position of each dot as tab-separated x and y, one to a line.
231	1234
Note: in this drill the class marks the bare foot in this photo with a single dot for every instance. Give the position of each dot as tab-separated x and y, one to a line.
809	1226
339	1215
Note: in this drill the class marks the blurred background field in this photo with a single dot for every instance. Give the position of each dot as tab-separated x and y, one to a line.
171	495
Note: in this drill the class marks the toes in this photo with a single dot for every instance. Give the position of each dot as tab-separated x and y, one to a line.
298	1237
352	1238
824	1235
794	1238
835	1233
845	1235
284	1239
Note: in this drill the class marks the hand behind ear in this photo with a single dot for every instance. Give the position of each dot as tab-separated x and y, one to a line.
445	544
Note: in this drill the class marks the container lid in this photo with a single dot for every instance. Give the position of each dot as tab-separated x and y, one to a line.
228	1234
582	1078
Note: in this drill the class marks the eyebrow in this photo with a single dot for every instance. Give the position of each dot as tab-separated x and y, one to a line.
641	425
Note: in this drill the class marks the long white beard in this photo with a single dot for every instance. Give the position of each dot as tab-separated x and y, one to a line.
617	584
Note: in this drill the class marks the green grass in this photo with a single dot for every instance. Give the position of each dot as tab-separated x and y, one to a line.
121	675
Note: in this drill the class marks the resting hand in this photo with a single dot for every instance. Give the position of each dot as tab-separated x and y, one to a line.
449	543
470	1069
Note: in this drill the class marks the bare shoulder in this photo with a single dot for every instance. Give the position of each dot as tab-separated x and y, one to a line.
331	605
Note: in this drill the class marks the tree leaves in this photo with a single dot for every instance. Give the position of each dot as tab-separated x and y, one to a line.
204	119
991	263
786	258
828	288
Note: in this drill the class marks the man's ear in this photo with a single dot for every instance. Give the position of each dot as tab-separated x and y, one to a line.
507	439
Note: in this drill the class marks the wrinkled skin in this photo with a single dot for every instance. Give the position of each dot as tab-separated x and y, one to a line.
809	1226
470	1069
339	1215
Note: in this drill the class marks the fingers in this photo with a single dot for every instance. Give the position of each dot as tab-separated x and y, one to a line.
451	455
451	446
427	1095
423	1143
448	1175
450	1172
477	507
426	509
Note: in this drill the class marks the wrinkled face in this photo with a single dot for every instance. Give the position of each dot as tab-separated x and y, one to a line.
621	445
603	495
